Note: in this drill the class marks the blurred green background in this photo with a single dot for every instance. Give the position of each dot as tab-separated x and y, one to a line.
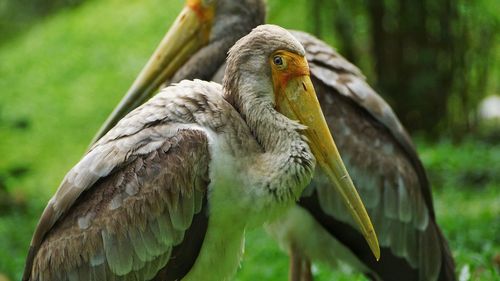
64	64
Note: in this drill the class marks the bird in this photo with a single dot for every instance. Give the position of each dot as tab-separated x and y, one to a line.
376	148
168	192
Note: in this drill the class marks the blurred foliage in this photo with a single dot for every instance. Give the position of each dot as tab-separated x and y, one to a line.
474	168
466	187
434	61
16	16
62	76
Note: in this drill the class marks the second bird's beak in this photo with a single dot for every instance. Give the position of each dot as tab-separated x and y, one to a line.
189	33
296	99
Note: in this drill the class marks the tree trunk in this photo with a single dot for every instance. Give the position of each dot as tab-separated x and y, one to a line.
412	60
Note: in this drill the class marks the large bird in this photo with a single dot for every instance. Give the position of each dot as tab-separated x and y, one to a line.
168	192
375	146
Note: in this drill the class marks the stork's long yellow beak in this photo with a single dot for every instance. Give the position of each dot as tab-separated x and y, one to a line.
190	32
296	99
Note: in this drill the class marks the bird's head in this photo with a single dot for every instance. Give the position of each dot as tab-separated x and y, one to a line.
269	67
270	55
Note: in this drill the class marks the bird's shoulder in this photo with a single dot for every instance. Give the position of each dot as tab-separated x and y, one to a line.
181	103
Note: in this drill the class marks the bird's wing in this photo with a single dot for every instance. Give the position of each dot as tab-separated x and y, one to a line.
384	166
135	204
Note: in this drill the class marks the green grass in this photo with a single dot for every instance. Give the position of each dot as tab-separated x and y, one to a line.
60	80
466	183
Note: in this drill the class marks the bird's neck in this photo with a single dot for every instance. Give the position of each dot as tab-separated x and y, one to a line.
273	131
286	164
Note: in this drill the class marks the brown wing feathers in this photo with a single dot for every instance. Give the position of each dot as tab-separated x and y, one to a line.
351	238
131	222
184	254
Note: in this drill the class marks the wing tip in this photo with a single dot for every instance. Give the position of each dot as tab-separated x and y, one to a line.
448	267
29	264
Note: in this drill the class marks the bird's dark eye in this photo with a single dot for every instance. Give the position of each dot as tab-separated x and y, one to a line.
278	60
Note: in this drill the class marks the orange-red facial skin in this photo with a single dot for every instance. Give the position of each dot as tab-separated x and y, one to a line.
294	66
205	16
204	13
